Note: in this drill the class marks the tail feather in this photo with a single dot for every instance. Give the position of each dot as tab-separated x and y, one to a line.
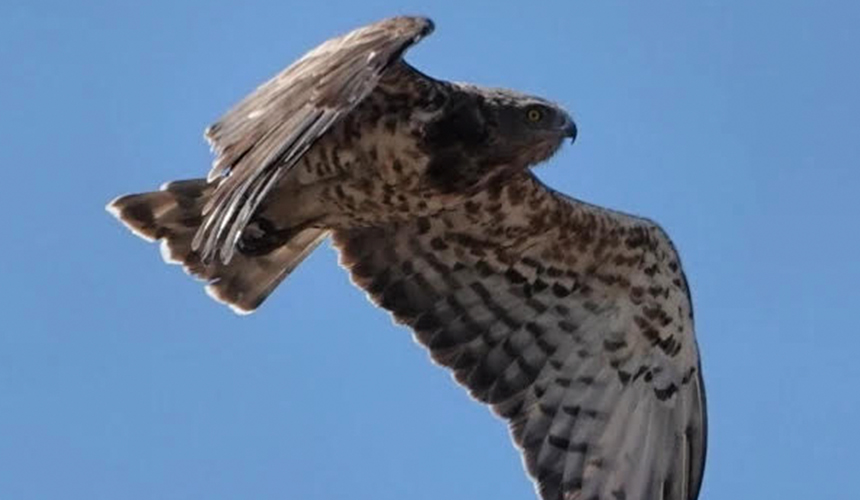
173	216
167	213
246	281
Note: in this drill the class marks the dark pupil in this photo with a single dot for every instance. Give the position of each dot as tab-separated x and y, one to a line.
534	114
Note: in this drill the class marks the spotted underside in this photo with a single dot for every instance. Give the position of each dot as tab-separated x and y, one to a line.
572	322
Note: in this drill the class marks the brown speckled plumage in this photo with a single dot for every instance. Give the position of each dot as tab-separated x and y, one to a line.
573	322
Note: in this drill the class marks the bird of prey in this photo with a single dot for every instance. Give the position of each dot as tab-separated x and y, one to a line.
572	322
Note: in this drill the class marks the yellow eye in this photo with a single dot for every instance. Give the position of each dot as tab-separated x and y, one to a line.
534	115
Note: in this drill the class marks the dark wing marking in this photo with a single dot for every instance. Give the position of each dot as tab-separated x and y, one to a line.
264	135
605	400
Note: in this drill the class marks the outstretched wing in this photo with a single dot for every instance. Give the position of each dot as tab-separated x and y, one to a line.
264	135
573	322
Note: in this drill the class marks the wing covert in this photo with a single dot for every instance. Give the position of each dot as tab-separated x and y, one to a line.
578	332
266	133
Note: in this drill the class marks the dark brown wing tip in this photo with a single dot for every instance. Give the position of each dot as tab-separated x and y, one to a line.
421	26
426	25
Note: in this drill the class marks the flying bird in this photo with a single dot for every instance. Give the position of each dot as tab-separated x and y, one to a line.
573	322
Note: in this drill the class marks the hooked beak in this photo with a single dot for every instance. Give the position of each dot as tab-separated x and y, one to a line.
570	130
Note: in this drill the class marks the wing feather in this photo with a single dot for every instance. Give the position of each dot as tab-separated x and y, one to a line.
590	355
263	136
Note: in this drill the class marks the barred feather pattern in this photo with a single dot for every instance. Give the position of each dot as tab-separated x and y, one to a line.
578	331
172	216
572	322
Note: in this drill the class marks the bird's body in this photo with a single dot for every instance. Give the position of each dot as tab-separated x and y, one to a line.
572	321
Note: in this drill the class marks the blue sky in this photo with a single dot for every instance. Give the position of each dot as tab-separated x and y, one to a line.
734	125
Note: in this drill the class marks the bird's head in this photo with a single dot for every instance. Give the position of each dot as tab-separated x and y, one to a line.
523	130
486	134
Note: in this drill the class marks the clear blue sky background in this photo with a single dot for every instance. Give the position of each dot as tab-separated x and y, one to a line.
735	124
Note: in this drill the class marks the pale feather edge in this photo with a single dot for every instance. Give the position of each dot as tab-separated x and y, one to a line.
168	258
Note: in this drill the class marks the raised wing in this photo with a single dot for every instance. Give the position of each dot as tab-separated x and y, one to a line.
264	135
573	322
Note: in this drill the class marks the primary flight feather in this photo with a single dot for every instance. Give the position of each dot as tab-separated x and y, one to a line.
573	322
